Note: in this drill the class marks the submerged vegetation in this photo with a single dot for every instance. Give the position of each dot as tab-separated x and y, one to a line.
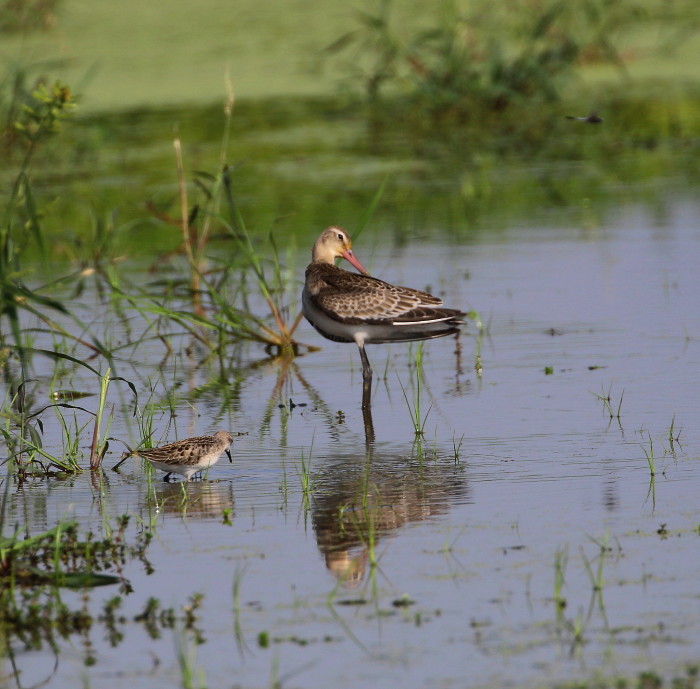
686	678
34	613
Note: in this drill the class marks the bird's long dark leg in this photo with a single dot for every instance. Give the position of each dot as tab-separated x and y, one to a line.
366	379
366	368
369	424
367	393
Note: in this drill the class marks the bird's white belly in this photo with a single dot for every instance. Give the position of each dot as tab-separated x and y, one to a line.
327	326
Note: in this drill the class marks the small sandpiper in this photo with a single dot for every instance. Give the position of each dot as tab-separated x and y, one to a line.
190	455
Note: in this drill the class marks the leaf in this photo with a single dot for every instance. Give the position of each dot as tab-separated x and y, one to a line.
31	576
33	215
133	389
86	579
57	355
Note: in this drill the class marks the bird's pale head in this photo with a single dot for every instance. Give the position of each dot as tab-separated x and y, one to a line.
333	243
224	436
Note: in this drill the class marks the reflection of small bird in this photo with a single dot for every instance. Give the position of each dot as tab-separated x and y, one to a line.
190	455
347	307
592	118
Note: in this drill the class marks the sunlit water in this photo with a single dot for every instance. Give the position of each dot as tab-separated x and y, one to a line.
515	467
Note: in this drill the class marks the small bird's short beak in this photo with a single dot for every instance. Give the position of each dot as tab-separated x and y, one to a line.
350	257
230	459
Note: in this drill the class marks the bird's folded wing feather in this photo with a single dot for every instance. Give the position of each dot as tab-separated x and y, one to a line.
180	449
352	296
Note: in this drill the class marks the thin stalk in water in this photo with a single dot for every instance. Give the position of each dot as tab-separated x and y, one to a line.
98	449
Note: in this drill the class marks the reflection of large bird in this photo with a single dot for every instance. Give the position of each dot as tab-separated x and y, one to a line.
356	506
190	455
347	307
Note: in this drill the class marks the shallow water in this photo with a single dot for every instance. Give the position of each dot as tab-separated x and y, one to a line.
427	561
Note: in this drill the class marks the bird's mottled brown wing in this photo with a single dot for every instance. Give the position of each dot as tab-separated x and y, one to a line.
350	296
182	450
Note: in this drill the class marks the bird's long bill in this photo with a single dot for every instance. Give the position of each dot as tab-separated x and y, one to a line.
230	459
350	257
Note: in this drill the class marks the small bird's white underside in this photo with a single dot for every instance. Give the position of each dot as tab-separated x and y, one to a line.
185	469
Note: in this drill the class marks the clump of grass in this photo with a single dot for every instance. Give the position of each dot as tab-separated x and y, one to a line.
651	459
596	577
270	282
24	428
561	560
456	448
365	521
220	295
24	425
576	628
32	116
306	481
481	330
418	420
455	69
99	446
414	405
71	435
607	400
237	624
36	117
673	435
192	676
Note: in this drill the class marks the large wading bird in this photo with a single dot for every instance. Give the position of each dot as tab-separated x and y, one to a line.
359	308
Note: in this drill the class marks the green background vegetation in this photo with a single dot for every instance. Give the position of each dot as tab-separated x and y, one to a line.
459	107
135	54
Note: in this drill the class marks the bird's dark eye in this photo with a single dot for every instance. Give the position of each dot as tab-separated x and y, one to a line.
340	236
